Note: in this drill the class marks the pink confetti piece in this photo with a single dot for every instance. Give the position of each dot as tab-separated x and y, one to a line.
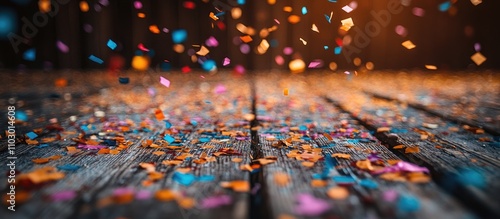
419	12
137	5
219	89
226	62
123	191
277	21
315	64
477	47
309	205
141	47
212	42
165	82
400	30
403	166
143	195
165	30
62	47
215	201
63	195
390	195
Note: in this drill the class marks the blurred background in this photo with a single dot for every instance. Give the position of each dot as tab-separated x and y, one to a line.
251	34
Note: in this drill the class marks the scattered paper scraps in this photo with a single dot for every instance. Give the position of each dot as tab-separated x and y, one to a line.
347	24
308	205
478	58
165	82
408	44
314	28
237	185
42	175
281	179
338	193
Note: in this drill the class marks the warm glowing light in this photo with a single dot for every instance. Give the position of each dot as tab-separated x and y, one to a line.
84	6
179	48
370	66
297	66
357	61
236	13
44	5
293	19
140	63
333	66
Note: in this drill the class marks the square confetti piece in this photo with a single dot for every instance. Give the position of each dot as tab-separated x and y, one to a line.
31	135
478	58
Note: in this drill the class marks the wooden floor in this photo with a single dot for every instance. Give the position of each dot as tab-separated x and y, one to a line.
262	145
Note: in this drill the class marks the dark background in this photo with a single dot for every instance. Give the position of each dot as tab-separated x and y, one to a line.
445	39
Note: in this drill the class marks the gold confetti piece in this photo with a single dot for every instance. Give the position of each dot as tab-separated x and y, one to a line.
141	15
186	202
411	150
237	185
103	151
314	28
287	9
303	41
307	164
398	146
285	92
318	183
246	38
408	44
338	193
478	58
340	155
148	167
237	160
393	177
383	129
392	161
347	24
476	2
281	179
293	19
431	67
212	15
114	151
165	195
418	177
203	51
154	176
159	153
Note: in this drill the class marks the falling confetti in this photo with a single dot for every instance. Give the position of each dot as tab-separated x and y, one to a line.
111	44
96	59
478	58
408	44
165	82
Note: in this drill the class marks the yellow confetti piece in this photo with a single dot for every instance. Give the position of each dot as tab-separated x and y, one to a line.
408	44
347	24
383	129
285	91
364	164
431	67
338	193
203	51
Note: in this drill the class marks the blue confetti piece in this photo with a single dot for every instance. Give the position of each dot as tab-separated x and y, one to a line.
303	128
204	140
179	36
334	1
96	59
396	130
241	2
370	184
31	135
29	55
220	14
408	203
209	65
168	124
328	18
84	128
330	162
352	141
326	47
194	122
338	50
42	146
123	80
22	116
471	177
445	6
343	180
111	44
169	139
185	179
68	167
206	178
304	10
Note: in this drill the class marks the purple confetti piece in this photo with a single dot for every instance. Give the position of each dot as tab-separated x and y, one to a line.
62	47
255	189
122	191
63	195
219	89
390	195
91	147
226	62
215	201
212	42
308	205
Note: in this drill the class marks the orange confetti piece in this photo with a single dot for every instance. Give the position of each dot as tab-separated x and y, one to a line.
159	115
318	183
114	151
398	146
293	19
285	92
338	193
103	151
154	29
281	179
154	176
141	15
237	160
159	153
237	185
364	164
41	160
307	164
340	155
165	195
246	38
392	162
172	162
186	203
410	150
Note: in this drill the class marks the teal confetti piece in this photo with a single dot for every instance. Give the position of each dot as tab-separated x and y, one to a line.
206	178
185	179
343	180
168	124
29	55
445	6
338	50
370	184
204	140
304	10
408	203
68	167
